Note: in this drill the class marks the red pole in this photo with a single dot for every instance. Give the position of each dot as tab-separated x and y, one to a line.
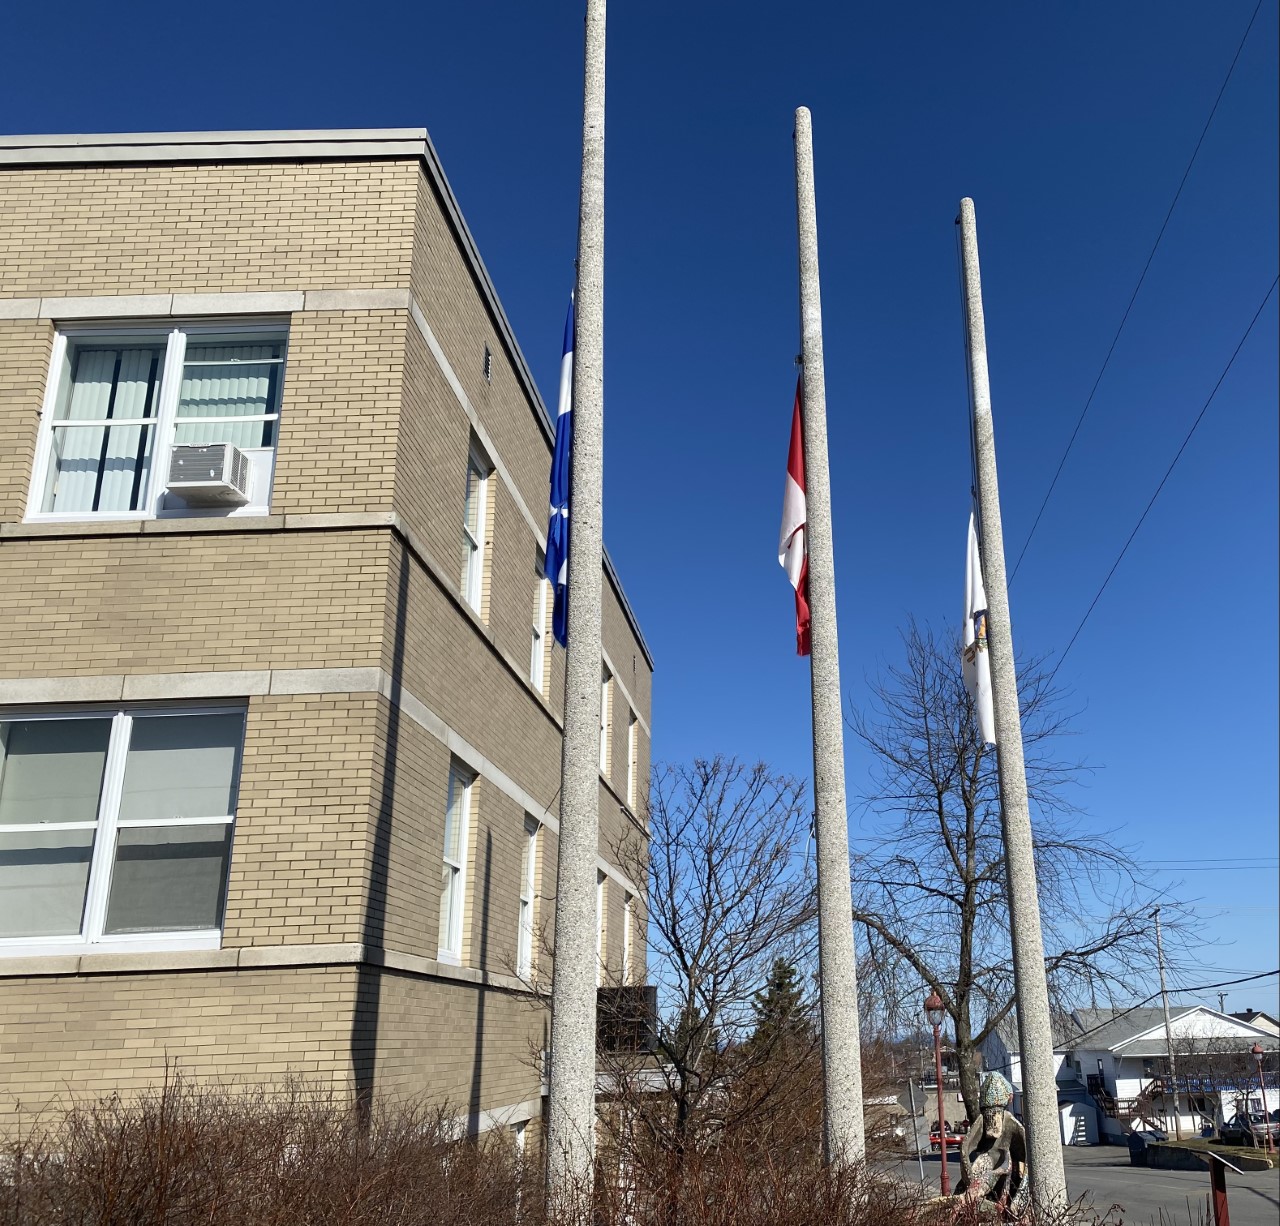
942	1119
1218	1182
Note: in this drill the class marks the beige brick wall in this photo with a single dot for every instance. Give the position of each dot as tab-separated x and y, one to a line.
442	283
80	1038
472	1049
208	602
303	838
339	412
89	1036
192	229
25	347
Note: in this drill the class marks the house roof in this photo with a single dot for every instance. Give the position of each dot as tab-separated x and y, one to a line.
1104	1029
341	144
1140	1031
1259	1018
1062	1028
1135	1031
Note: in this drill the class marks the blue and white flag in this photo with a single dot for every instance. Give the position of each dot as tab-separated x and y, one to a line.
557	563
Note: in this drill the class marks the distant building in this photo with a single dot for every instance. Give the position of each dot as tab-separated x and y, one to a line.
1255	1017
280	716
1112	1069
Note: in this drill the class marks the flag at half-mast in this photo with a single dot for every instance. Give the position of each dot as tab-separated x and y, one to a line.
556	566
977	661
793	546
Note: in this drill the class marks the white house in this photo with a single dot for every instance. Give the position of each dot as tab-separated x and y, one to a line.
1112	1070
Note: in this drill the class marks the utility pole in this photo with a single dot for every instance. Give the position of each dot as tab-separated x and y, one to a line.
1168	1029
1039	1089
843	1136
572	1080
1222	1002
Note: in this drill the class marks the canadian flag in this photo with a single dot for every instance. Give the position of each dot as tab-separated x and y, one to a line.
793	549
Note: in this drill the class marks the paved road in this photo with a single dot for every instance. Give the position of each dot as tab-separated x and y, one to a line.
1149	1198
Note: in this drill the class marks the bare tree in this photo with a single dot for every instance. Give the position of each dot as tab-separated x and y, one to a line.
729	895
930	894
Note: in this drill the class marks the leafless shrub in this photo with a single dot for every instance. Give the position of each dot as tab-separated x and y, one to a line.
191	1154
185	1155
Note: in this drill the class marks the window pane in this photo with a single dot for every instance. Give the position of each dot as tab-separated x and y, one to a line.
51	769
182	766
471	513
104	469
111	383
455	818
167	879
98	468
446	908
222	379
43	877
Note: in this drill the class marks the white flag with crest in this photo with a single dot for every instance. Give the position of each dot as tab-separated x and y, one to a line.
977	663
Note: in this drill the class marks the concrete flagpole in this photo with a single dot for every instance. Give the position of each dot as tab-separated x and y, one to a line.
1039	1089
572	1081
843	1135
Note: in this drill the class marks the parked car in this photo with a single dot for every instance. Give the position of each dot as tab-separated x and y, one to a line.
955	1138
1249	1128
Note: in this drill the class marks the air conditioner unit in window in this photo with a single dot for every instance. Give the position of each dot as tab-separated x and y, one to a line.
215	474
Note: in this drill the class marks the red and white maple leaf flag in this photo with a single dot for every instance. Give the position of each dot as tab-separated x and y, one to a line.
793	548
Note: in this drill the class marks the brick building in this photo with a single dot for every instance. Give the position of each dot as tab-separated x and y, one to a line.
279	744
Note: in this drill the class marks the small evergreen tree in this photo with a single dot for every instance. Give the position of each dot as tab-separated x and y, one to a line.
781	1011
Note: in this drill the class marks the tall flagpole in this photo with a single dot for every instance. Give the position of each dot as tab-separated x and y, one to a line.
1039	1089
841	1050
572	1082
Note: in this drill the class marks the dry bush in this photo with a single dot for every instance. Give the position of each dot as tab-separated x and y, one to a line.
185	1154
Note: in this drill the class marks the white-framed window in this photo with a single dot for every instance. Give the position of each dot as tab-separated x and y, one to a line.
528	895
473	528
453	877
601	948
633	750
119	399
115	828
605	689
538	638
628	919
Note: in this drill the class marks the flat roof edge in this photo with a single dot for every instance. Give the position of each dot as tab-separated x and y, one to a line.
116	147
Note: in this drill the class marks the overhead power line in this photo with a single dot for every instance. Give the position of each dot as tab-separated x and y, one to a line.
1172	464
1106	361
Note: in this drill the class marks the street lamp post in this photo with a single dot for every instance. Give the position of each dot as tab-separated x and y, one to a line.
935	1011
1257	1053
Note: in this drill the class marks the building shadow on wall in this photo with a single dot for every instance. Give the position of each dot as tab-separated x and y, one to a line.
368	1004
482	1000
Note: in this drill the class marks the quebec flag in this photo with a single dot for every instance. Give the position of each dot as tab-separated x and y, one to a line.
557	563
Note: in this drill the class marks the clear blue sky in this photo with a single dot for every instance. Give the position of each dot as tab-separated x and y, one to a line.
1069	124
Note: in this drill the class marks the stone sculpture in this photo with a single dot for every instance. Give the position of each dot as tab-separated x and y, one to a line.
993	1157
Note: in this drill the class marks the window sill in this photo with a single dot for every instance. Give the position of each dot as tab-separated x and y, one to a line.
69	962
176	524
178	945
